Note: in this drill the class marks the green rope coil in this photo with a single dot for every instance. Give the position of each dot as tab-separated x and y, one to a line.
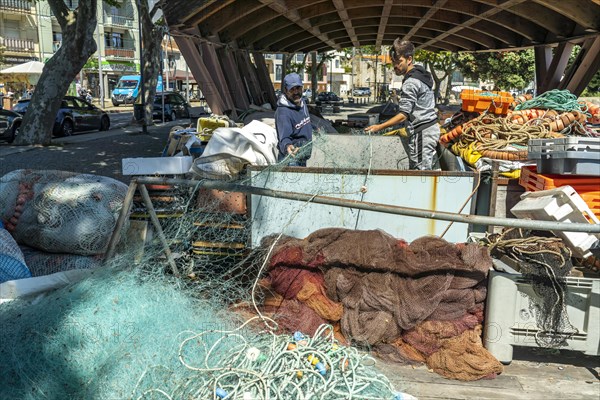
559	100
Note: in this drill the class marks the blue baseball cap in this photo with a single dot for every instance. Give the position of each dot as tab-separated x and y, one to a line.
292	80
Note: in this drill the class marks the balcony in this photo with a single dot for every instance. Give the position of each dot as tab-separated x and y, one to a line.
119	52
17	6
118	20
17	45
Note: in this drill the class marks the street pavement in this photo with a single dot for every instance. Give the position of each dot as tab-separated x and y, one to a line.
98	153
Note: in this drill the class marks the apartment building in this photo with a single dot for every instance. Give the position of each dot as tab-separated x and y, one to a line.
29	31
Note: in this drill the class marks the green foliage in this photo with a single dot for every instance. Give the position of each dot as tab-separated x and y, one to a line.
441	61
507	69
92	63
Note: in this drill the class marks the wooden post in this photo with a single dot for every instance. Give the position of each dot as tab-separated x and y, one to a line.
116	236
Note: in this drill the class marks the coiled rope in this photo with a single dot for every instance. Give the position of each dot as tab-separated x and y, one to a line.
242	365
559	100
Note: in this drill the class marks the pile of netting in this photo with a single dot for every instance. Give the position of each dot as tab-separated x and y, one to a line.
130	335
545	263
419	302
59	211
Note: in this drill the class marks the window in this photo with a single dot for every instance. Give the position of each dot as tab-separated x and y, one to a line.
337	63
278	72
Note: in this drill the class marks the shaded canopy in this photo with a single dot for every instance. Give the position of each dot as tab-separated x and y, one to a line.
456	25
28	72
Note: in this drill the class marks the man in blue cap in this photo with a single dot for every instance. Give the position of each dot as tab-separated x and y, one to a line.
292	123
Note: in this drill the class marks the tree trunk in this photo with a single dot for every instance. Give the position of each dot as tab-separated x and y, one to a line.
448	87
78	45
437	81
152	36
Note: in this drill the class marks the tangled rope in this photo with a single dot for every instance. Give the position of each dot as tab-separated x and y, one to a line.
242	365
559	100
497	137
545	262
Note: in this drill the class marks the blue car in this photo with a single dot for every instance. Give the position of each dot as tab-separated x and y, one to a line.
74	115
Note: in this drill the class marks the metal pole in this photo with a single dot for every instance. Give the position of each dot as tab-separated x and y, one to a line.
384	208
142	83
100	77
187	83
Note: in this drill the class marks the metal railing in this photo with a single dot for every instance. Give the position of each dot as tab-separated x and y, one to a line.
16	5
118	20
119	52
17	45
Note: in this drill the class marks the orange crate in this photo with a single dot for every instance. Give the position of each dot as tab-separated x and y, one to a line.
587	187
480	101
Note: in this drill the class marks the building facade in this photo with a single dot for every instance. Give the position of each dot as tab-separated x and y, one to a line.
29	32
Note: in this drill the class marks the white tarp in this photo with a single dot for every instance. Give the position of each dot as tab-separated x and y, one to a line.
230	149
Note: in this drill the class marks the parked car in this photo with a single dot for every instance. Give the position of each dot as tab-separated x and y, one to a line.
328	97
175	106
10	122
74	115
361	91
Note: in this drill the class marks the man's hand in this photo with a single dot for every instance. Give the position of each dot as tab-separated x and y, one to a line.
292	150
373	128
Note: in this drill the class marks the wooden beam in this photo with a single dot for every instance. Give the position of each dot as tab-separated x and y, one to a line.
544	17
233	15
293	15
557	67
206	12
339	6
587	68
264	79
213	91
250	76
234	79
430	13
485	15
385	14
543	58
582	12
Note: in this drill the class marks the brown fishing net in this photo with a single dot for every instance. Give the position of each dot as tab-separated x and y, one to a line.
407	302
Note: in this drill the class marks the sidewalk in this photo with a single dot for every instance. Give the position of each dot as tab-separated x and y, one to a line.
97	153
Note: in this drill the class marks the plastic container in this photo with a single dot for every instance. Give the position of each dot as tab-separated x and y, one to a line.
571	155
156	165
509	318
562	205
480	101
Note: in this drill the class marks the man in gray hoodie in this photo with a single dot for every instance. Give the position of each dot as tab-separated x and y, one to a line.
417	108
292	123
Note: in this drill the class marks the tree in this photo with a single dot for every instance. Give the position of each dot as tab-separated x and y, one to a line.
443	62
507	69
78	26
152	35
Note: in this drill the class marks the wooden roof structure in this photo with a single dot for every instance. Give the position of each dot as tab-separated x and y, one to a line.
291	26
217	37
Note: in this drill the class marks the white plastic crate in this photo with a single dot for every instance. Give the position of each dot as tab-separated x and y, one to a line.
511	321
561	204
157	165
